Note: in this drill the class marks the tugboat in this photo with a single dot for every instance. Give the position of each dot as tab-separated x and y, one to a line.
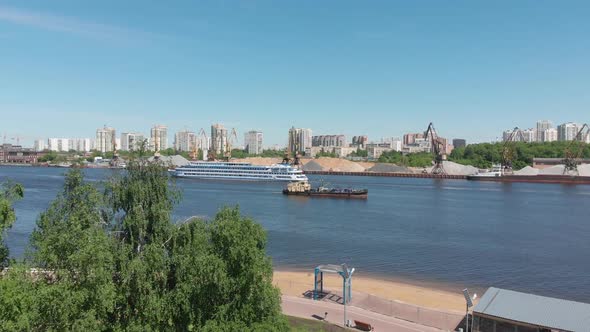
303	188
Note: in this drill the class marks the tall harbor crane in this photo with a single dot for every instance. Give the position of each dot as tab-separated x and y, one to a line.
436	148
574	151
509	149
230	142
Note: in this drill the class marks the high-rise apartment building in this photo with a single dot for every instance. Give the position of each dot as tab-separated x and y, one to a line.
185	141
105	139
299	140
80	144
58	144
549	135
410	139
132	141
39	145
253	142
542	125
360	141
328	140
218	139
567	131
159	138
529	135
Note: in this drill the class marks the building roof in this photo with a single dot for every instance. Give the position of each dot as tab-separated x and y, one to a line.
537	310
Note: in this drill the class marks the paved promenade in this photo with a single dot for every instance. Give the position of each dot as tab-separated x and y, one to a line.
306	308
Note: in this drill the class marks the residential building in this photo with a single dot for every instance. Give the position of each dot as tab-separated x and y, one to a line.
159	138
185	141
40	145
375	151
411	138
328	140
299	140
567	131
218	139
549	135
80	144
58	144
459	143
360	141
529	135
131	141
542	125
253	142
105	139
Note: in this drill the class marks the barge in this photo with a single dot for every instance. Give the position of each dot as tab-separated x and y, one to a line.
303	188
563	179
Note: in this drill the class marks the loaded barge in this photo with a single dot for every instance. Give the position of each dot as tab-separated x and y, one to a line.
303	188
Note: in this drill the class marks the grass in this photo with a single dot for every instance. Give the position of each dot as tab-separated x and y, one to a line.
312	325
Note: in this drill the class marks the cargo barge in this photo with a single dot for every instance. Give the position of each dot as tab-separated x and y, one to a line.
303	188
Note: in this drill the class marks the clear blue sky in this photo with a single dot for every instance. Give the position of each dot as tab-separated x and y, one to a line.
380	68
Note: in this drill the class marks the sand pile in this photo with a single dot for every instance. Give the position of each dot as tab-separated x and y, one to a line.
584	170
339	165
527	171
389	168
553	170
452	168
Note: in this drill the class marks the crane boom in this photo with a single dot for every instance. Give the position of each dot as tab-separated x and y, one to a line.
509	150
436	149
574	151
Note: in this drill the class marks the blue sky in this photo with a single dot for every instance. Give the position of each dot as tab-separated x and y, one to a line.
380	68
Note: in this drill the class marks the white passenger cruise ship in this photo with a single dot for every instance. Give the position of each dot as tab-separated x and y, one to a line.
239	171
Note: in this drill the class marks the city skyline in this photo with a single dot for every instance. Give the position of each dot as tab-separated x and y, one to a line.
380	68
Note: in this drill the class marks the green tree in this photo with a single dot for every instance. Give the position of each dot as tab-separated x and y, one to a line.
9	193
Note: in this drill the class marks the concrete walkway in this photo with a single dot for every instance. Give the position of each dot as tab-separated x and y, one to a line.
306	308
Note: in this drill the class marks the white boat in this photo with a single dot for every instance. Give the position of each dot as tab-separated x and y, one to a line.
496	171
239	171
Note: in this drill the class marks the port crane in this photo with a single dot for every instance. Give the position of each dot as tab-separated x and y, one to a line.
509	149
295	154
574	150
230	143
437	149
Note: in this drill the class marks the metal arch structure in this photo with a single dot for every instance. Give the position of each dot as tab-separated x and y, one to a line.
436	149
342	270
509	150
574	150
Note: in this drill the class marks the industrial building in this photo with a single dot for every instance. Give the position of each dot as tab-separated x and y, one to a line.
16	154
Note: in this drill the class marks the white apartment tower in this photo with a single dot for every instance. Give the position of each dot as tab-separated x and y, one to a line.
218	139
542	125
105	139
159	138
567	131
300	139
40	145
253	142
549	135
131	141
185	141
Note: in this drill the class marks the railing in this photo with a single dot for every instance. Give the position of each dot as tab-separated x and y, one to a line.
444	320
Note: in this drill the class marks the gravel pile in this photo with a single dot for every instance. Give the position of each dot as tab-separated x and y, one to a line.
452	168
312	166
584	170
553	170
527	171
388	168
176	160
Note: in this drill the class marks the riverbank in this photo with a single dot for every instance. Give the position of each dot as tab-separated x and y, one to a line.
295	283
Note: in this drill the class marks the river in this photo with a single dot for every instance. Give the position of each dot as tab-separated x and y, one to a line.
521	236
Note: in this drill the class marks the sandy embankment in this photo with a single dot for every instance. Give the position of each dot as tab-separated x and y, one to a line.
296	283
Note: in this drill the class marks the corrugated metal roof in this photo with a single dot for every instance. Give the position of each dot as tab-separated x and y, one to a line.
534	309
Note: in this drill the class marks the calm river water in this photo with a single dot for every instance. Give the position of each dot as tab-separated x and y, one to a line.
526	237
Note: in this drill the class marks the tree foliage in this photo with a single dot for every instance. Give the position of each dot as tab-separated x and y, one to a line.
485	154
9	193
112	259
422	159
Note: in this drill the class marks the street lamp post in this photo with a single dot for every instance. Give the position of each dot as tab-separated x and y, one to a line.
468	305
